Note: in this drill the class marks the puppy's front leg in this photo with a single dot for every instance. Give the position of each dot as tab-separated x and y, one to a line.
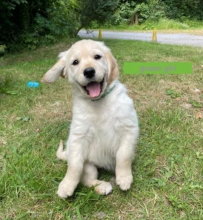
72	177
124	158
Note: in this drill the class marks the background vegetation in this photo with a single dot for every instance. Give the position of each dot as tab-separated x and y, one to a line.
29	23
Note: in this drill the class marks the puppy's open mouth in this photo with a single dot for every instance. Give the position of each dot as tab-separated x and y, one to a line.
94	88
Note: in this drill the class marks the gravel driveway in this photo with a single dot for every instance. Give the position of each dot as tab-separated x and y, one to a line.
176	38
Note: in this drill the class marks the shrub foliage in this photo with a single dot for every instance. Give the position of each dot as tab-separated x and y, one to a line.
28	23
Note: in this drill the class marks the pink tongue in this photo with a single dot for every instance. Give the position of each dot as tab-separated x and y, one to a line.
94	89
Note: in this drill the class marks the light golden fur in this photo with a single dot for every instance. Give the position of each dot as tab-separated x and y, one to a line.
104	129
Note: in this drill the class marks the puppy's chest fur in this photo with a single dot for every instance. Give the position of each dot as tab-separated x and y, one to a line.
104	138
100	130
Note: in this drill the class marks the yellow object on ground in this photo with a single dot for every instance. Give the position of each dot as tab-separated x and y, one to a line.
154	36
100	34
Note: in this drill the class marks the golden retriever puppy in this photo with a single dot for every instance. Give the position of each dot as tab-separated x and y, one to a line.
104	128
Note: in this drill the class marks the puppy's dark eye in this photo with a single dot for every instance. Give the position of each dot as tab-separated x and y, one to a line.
97	57
75	62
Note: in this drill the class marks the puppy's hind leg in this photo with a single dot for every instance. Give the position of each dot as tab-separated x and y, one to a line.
89	179
61	154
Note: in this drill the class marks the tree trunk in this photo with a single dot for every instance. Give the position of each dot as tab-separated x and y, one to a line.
135	19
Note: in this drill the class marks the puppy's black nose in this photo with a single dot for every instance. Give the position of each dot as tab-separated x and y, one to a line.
89	72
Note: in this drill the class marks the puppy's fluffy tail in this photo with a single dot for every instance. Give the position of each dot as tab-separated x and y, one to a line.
61	154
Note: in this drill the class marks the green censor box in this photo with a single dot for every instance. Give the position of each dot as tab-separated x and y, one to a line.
157	68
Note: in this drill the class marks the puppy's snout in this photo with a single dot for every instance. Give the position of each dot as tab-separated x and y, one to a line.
89	72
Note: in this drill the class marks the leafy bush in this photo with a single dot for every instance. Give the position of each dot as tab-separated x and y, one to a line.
23	22
151	10
64	17
95	11
123	14
190	9
2	49
157	9
29	23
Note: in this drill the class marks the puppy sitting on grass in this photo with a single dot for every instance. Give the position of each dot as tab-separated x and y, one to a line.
104	128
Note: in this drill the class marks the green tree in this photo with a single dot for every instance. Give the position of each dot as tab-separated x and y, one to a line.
87	11
20	23
27	23
184	9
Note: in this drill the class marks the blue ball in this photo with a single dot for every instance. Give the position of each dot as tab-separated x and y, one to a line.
32	84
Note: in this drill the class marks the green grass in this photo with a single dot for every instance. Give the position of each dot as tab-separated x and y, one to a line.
168	167
163	24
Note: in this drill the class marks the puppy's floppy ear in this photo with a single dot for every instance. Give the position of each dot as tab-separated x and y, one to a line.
113	68
59	69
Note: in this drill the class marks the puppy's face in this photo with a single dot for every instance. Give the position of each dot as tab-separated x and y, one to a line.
89	65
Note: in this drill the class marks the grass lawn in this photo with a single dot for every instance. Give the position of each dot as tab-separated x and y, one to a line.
164	25
168	167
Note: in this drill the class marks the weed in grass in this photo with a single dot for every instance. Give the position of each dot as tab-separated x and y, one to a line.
196	104
173	94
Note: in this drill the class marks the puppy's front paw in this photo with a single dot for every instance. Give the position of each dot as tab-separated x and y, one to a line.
65	190
103	188
124	182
